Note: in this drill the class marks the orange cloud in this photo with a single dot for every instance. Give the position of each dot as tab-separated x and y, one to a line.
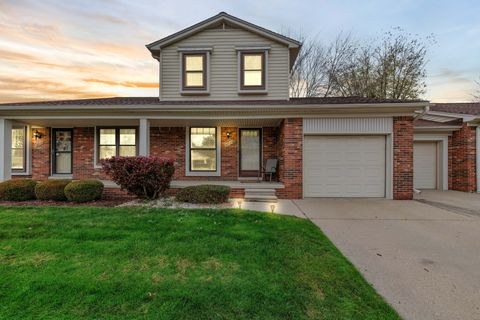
128	84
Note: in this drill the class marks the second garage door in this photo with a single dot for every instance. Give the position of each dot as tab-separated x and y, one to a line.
344	166
425	165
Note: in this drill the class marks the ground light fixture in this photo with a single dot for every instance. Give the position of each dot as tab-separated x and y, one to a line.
272	207
239	203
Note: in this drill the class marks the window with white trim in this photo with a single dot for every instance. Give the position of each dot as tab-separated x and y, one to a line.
203	149
113	142
19	149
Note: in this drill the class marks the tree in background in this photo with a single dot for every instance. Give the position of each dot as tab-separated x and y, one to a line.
391	66
476	95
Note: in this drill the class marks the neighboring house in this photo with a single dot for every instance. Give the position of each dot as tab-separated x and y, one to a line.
222	111
446	145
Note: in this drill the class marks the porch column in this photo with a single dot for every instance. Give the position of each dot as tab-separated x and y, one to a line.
144	137
5	149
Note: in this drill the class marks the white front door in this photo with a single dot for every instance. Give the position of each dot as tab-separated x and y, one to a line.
344	166
425	165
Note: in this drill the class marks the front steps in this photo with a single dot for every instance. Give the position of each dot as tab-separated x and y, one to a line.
260	195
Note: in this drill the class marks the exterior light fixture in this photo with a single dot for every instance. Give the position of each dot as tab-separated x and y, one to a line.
239	204
272	207
37	134
229	134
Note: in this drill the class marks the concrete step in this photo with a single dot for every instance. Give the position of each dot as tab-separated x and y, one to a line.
260	191
264	195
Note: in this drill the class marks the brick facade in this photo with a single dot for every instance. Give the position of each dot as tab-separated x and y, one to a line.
41	154
290	151
462	151
403	158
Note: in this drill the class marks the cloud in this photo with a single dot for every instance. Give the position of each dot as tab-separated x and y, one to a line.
128	84
22	89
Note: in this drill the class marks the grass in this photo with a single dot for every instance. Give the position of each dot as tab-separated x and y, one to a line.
129	263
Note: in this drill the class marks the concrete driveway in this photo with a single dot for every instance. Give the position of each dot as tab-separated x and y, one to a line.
424	260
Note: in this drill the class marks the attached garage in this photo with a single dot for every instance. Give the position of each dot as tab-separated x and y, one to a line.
425	165
344	166
347	157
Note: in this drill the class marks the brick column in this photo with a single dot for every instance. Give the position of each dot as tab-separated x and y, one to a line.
229	154
463	150
291	158
403	158
83	152
41	154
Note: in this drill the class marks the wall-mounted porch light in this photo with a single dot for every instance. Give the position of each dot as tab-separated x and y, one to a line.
37	134
229	134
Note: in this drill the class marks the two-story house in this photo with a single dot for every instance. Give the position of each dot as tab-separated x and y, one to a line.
223	110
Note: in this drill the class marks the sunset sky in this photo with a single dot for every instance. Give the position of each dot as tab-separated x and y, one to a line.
60	49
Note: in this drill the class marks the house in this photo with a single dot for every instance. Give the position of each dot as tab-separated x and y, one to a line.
223	110
446	144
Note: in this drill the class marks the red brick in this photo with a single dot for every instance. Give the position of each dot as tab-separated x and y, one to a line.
403	158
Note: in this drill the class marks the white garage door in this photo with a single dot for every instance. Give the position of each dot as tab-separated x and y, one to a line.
344	166
425	165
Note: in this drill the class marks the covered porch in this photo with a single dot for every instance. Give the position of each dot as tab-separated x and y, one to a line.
227	152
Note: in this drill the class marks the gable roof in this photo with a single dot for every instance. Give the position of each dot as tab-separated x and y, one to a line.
472	108
224	17
219	18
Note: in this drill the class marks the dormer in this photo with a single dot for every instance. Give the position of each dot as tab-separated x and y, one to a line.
225	58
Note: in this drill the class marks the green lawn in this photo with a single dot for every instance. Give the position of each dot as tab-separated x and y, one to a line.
105	263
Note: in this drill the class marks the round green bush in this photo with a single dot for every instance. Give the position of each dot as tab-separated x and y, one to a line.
204	193
84	190
17	190
51	190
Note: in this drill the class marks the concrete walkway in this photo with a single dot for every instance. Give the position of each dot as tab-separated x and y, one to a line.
470	202
283	207
424	260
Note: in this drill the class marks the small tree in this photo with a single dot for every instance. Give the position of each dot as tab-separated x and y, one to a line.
145	177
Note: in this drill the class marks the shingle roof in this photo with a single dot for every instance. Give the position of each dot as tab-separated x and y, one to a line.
472	108
428	123
156	101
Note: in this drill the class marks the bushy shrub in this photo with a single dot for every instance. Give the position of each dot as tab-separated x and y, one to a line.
17	190
51	190
145	177
84	190
203	194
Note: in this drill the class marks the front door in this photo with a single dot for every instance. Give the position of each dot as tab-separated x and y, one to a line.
62	151
250	152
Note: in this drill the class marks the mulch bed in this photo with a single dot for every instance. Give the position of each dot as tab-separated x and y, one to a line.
39	203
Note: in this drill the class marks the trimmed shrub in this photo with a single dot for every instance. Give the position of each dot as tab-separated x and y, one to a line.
51	190
17	190
84	190
204	194
145	177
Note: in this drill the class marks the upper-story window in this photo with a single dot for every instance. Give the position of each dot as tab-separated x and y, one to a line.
194	71
252	71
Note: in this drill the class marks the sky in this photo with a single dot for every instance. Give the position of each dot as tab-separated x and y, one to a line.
65	49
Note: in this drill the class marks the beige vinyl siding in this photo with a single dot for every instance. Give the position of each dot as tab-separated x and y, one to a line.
223	73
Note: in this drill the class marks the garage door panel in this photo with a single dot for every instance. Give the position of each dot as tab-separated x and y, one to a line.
344	166
425	165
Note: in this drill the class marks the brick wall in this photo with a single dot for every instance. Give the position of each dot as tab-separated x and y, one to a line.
403	158
462	151
41	154
83	155
290	150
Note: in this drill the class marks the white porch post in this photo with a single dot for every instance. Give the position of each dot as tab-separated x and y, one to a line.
5	149
144	137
